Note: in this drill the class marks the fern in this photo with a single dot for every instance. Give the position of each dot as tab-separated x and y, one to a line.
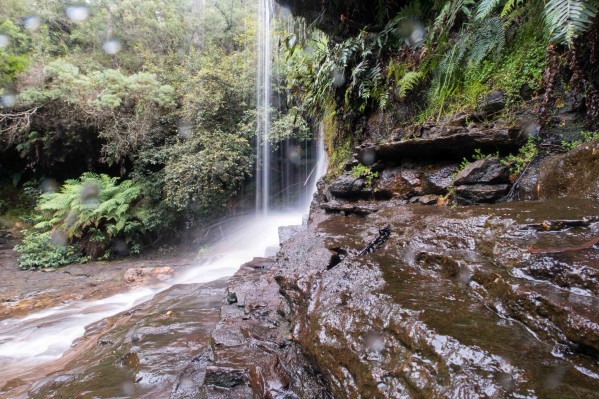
488	37
95	208
409	81
568	19
485	8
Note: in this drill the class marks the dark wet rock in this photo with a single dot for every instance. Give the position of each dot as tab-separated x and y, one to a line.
575	173
252	354
349	208
481	193
431	141
421	303
349	187
484	171
414	180
493	103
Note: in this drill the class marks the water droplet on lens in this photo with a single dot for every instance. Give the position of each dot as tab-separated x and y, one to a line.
367	157
339	78
294	156
112	46
77	13
8	100
184	130
4	40
59	238
32	23
90	195
49	186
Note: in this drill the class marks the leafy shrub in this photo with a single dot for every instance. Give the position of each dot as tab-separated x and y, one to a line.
584	138
524	156
38	251
364	172
95	213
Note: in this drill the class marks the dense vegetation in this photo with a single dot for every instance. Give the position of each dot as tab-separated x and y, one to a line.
160	96
428	60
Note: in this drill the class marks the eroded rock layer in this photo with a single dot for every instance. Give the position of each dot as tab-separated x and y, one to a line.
453	305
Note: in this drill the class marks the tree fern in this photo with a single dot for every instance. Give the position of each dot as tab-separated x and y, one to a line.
95	206
568	19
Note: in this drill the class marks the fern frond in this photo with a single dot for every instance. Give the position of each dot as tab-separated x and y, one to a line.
569	19
485	8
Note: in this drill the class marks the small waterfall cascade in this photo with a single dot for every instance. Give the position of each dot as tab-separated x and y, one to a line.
43	337
264	72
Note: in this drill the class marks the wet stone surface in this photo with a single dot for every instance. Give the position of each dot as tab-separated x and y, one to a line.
139	353
453	304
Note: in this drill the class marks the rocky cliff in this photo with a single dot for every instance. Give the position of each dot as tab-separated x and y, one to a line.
476	301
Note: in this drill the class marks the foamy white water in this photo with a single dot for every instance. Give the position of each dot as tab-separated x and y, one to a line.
46	335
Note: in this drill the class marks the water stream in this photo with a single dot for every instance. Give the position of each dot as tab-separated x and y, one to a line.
30	342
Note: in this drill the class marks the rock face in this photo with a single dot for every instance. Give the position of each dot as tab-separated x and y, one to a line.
484	171
432	141
483	181
349	187
575	173
453	305
252	353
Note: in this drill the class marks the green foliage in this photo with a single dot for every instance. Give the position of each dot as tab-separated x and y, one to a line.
94	212
585	137
38	251
206	170
569	19
477	156
525	155
364	172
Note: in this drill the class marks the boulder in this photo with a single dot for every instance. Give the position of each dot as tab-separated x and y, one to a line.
493	103
349	187
484	171
481	193
574	174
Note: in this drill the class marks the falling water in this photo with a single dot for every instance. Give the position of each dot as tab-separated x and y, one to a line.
263	107
43	337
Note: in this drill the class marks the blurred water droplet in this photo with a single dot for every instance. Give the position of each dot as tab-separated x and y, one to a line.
184	130
531	129
339	78
219	166
367	157
120	248
32	23
111	46
294	156
90	195
309	50
59	238
413	32
4	40
77	13
8	100
49	186
128	388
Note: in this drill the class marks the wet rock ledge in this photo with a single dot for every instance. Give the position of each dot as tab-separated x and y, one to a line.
453	305
479	301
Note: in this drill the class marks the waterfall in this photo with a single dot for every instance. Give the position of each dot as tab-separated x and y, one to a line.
263	107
